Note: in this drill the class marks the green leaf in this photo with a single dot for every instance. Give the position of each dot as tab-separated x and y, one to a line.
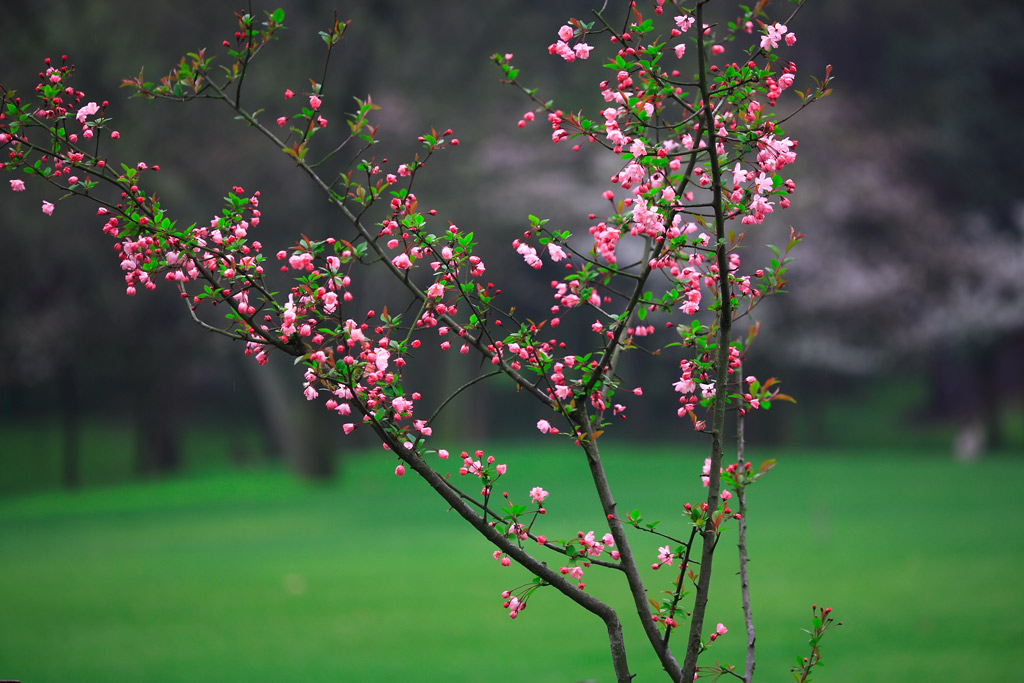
278	16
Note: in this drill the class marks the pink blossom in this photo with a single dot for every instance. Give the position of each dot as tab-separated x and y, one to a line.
721	629
680	50
665	555
301	261
400	470
402	261
773	34
86	111
281	120
330	302
315	102
582	50
538	494
726	494
501	469
288	94
565	33
401	404
556	252
685	23
48	208
18	185
544	426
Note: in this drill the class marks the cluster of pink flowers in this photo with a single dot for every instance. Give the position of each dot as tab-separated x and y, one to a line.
561	47
656	210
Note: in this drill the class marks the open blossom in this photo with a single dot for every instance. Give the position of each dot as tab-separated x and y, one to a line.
537	494
48	208
18	185
544	426
86	111
665	555
685	23
773	34
315	102
556	252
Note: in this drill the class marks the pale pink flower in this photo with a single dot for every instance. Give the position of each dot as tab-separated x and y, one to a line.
330	302
48	208
685	23
402	261
301	261
665	555
773	34
556	252
86	111
565	33
537	494
17	185
544	426
582	50
315	102
738	175
401	404
680	50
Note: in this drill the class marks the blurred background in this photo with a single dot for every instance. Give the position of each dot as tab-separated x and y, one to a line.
901	336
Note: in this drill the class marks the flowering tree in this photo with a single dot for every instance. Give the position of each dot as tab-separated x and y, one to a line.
688	108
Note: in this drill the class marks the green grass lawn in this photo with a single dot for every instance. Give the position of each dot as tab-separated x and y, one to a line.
257	577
